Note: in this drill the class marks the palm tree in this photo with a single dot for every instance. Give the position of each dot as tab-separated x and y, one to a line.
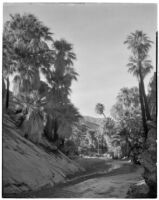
100	109
61	117
140	44
64	73
62	114
33	123
29	41
29	38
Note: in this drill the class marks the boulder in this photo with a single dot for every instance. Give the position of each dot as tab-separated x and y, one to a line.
138	190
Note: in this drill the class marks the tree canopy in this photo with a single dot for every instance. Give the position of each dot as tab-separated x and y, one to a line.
30	50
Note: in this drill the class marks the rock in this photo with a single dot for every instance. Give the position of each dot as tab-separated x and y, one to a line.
138	190
27	166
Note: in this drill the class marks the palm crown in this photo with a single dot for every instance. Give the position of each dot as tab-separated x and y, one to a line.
139	43
100	109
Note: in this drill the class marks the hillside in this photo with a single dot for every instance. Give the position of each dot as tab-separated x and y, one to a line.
27	166
91	122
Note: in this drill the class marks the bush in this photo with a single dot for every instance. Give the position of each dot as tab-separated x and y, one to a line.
70	148
135	153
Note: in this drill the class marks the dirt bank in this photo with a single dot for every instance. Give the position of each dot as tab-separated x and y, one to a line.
27	166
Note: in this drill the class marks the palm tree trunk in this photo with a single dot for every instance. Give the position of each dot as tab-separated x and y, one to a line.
143	111
62	143
148	117
102	143
145	101
128	143
56	136
7	94
102	135
3	95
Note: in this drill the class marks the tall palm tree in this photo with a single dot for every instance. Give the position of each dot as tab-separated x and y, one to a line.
100	109
64	73
139	44
62	114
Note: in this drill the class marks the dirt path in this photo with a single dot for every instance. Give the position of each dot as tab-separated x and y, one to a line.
102	179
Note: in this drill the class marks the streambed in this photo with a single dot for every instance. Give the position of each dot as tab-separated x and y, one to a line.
108	179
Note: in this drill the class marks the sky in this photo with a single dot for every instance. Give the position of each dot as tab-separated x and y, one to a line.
97	32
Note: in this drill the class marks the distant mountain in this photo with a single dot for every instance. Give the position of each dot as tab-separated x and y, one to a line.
91	123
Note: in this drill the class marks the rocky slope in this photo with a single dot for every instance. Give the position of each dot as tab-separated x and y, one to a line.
149	160
27	166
